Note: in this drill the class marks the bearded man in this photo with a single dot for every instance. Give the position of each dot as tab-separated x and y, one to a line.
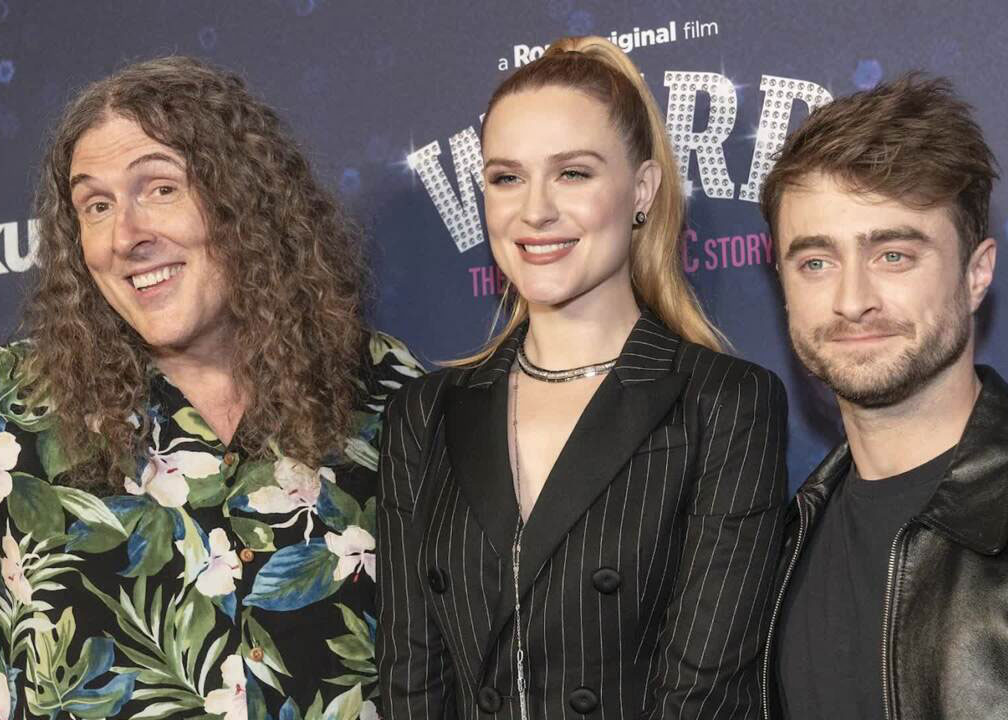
894	581
187	441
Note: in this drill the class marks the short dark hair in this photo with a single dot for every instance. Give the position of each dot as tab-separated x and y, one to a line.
913	140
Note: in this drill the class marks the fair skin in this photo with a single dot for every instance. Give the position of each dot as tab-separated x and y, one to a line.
144	239
875	289
561	194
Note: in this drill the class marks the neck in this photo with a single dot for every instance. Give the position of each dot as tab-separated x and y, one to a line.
207	381
888	441
584	331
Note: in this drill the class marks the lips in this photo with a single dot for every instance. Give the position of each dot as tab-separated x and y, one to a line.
152	278
540	251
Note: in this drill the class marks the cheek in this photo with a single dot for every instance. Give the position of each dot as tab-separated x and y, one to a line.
96	250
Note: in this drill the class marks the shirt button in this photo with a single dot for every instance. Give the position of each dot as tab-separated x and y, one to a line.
606	580
438	580
488	699
229	458
256	654
246	555
583	700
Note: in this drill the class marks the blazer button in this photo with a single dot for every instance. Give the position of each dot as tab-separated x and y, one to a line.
606	580
488	699
438	580
583	700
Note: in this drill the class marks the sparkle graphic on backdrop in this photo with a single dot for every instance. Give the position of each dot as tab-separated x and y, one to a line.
6	71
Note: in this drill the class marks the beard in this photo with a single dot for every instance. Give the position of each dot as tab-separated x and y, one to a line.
868	379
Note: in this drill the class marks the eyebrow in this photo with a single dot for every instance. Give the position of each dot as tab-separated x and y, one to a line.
874	237
555	158
142	160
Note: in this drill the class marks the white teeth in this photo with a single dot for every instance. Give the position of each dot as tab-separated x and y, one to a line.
551	247
150	279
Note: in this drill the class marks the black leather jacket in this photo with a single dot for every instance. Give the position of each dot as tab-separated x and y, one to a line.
945	627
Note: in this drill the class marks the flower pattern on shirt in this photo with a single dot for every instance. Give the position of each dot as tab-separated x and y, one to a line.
215	583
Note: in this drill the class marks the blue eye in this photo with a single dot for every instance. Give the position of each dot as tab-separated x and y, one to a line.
814	264
893	256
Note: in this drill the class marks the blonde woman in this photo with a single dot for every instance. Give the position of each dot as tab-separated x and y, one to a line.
583	518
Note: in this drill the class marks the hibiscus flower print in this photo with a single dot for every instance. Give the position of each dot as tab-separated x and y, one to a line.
9	451
222	569
163	478
229	701
13	570
296	491
355	548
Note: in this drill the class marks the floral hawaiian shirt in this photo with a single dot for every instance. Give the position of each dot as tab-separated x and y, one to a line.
214	585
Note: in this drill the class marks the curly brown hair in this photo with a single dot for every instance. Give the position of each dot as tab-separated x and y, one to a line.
292	259
912	139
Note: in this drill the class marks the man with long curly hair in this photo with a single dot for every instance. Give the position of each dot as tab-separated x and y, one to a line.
187	440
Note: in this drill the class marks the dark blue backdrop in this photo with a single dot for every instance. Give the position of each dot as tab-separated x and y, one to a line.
369	87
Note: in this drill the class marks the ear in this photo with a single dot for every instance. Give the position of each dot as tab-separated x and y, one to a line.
646	182
980	271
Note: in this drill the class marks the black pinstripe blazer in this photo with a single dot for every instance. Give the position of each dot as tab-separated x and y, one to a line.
646	563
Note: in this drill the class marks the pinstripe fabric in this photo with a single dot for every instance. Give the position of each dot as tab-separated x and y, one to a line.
674	478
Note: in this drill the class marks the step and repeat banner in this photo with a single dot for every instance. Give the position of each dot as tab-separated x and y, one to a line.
386	98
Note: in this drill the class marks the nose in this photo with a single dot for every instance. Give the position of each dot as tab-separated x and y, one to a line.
856	294
133	229
539	208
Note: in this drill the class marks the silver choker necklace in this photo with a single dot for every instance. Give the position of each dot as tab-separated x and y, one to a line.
558	376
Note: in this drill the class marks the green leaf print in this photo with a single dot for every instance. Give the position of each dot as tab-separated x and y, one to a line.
35	507
314	712
258	637
51	454
193	423
12	400
351	647
167	641
55	685
255	534
207	491
336	507
345	706
150	545
89	509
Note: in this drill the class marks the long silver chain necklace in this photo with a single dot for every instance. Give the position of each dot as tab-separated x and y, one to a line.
557	376
548	376
516	557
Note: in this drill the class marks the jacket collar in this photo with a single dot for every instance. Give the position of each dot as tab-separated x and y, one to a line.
969	505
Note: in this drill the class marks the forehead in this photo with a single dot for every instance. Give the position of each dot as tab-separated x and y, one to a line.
824	205
551	118
114	142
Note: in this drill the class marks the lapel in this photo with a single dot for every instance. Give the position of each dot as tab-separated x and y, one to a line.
628	405
476	433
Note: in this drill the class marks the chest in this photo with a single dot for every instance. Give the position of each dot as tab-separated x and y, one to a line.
542	417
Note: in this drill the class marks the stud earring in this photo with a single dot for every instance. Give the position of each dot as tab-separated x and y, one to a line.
640	218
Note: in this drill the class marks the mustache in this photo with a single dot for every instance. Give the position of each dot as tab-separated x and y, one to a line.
841	328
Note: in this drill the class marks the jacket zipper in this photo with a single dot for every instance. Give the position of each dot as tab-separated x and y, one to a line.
776	610
890	578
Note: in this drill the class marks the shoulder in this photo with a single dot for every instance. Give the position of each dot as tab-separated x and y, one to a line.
716	378
419	397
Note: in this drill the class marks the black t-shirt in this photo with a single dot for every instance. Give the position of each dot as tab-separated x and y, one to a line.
830	649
